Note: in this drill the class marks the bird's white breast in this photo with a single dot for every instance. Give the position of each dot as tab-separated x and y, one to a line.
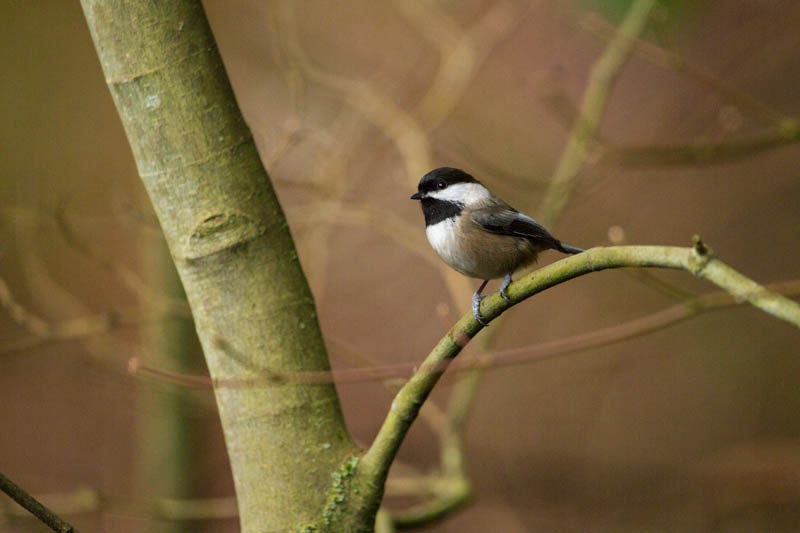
442	237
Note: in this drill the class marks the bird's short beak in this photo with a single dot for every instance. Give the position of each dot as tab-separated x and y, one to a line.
416	196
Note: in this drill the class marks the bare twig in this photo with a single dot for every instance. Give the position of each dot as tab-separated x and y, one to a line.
783	129
671	60
637	327
454	493
19	314
30	503
695	153
702	152
78	501
601	78
85	500
407	135
461	50
128	276
43	331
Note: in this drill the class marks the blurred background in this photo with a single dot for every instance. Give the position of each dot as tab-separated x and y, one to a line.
681	420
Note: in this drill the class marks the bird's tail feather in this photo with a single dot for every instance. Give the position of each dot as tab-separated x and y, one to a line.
567	249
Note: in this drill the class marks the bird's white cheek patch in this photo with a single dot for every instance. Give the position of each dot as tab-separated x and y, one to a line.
463	193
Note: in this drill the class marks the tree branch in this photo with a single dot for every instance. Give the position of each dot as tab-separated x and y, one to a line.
698	260
702	152
669	59
601	78
30	503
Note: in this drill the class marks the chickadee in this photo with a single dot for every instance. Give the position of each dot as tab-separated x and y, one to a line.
477	233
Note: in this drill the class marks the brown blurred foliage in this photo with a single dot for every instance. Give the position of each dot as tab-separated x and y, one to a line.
693	427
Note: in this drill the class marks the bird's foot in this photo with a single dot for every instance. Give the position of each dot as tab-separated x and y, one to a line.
476	309
504	288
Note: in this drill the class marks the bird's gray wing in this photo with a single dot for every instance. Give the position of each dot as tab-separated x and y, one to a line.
503	219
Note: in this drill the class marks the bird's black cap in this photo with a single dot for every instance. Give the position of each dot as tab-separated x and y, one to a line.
440	178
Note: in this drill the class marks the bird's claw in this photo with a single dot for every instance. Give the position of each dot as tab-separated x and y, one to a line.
504	294
476	309
504	288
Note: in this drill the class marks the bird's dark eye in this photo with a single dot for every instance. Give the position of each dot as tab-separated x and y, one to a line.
440	185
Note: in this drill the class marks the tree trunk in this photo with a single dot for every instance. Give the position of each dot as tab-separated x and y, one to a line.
227	234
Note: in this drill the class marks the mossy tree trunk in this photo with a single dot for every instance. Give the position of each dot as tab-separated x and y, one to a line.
229	239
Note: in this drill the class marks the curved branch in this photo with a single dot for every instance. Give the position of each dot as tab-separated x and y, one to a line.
698	260
456	494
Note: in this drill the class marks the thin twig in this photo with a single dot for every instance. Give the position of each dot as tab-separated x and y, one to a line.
456	494
601	79
461	51
695	153
365	99
87	500
701	152
43	331
637	327
671	60
128	276
48	517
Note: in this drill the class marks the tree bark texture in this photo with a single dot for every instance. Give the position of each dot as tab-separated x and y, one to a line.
229	238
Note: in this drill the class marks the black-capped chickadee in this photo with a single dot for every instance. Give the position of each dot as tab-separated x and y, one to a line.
477	233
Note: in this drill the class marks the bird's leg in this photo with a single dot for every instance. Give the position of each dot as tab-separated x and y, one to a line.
476	304
504	287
